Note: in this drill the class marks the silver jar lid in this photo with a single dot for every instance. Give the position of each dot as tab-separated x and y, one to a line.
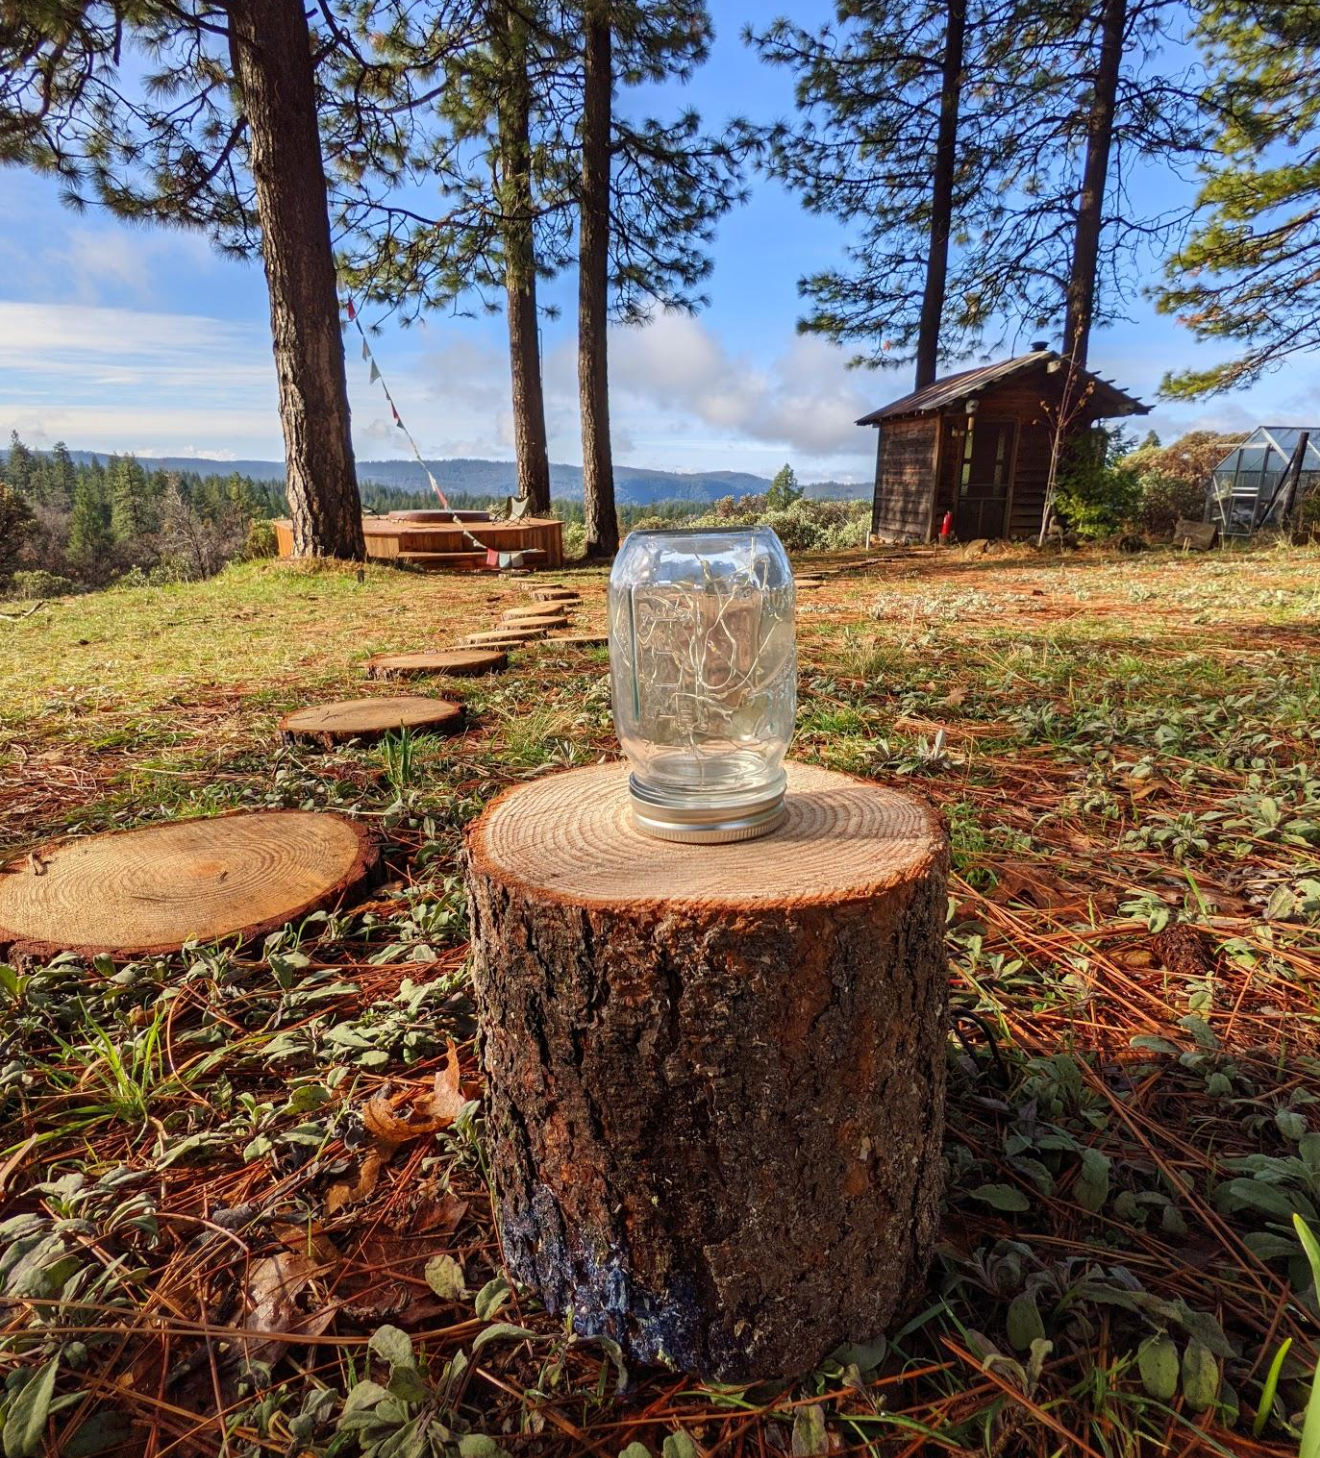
717	819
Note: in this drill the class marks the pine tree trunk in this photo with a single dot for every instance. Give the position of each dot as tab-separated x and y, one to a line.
1095	176
529	443
941	195
593	286
272	57
715	1075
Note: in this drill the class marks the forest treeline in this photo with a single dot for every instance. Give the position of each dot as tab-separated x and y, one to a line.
997	168
67	526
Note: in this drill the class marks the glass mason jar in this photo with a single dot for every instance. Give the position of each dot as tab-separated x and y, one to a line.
703	666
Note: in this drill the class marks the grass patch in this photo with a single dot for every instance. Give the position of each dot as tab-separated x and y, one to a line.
1124	751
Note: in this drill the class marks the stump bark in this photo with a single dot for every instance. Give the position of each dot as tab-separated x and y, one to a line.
715	1074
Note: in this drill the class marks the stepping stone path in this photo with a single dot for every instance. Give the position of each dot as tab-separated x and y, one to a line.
371	719
136	893
457	662
556	594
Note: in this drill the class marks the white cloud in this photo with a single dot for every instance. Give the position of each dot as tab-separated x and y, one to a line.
805	399
112	378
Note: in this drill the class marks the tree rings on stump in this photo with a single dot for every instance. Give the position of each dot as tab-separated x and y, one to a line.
457	662
371	719
715	1073
137	893
556	594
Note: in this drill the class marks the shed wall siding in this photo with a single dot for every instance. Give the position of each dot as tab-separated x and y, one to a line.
905	477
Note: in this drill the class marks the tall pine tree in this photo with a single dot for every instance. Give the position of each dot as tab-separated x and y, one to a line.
1250	272
91	535
1086	92
133	514
209	114
892	138
504	220
648	195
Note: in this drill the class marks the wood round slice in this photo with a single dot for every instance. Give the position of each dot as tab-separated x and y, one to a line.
540	611
507	634
715	1074
371	719
498	641
457	662
556	594
546	625
580	640
136	893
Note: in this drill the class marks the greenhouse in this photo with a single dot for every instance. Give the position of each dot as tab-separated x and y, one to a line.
1252	486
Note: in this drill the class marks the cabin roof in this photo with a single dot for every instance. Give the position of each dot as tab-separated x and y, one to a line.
952	388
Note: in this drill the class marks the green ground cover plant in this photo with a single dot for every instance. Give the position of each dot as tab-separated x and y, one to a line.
227	1228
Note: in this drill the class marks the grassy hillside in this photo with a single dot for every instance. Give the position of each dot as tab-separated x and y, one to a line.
1124	751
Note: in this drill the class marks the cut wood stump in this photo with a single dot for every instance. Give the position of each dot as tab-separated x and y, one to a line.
457	662
556	594
371	719
499	641
580	640
136	893
524	633
715	1073
544	620
541	610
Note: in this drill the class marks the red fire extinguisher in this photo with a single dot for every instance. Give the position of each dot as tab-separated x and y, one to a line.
946	529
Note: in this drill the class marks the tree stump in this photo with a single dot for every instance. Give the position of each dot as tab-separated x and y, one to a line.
506	634
541	610
368	719
715	1074
135	893
456	662
580	640
545	622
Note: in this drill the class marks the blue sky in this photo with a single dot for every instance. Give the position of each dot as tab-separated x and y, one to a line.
137	339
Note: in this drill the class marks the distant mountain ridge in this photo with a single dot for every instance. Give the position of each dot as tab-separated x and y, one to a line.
634	485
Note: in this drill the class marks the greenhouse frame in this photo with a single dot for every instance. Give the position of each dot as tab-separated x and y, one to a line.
1249	488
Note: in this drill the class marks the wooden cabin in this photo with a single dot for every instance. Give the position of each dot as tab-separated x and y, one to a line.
978	444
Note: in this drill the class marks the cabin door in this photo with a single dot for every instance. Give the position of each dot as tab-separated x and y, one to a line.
983	472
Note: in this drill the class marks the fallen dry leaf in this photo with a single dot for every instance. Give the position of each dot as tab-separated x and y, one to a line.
446	1099
274	1285
429	1113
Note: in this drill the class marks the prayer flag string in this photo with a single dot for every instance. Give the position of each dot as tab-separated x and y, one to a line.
493	558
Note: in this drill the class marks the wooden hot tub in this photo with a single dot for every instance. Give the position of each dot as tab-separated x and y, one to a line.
441	546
